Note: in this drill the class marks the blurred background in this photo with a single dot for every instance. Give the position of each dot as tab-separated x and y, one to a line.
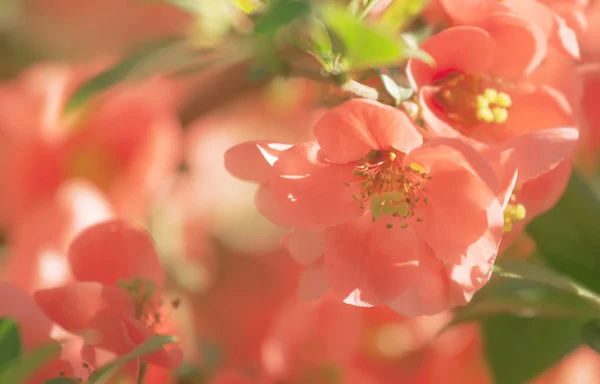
145	142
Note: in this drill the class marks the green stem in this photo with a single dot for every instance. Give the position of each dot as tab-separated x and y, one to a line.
142	375
360	90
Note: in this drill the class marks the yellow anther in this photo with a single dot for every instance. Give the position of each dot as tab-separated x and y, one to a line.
418	167
482	102
520	212
392	156
491	95
512	214
504	100
500	115
485	114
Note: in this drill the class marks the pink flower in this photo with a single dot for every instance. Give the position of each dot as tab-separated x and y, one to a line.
393	344
307	338
39	239
125	142
455	357
237	312
389	205
580	366
110	27
119	280
476	92
549	22
34	328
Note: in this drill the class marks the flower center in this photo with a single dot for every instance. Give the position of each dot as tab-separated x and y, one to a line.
141	292
391	187
513	213
470	100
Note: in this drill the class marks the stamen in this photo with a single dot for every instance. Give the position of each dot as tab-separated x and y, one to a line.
141	292
500	115
389	187
467	100
513	213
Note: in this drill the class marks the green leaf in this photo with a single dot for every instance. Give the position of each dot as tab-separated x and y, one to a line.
567	236
398	93
590	334
281	13
102	375
320	44
399	13
22	368
518	349
248	6
366	46
62	380
10	341
150	59
533	290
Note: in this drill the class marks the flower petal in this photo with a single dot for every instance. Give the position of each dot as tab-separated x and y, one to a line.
267	206
113	251
462	185
252	160
536	109
368	263
543	192
74	305
108	332
427	293
305	246
465	280
520	45
313	283
33	323
457	151
458	49
550	147
552	25
565	38
311	193
434	116
465	12
349	131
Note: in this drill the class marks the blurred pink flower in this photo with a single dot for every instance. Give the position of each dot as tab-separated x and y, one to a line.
311	340
34	329
455	357
392	345
38	241
581	366
236	314
84	29
115	297
125	141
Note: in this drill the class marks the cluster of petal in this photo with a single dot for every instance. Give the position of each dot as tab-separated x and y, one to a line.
97	306
34	328
501	56
550	22
417	265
